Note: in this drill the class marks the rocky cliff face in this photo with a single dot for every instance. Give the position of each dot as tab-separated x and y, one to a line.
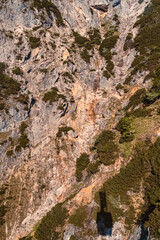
59	93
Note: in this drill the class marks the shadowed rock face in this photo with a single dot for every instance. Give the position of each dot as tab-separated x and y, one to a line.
101	7
43	173
104	218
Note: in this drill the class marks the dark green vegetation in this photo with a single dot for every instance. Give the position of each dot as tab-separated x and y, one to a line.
52	96
128	43
85	55
105	51
68	77
95	36
81	164
23	140
2	214
78	217
8	86
64	130
136	99
49	225
50	8
106	148
125	128
147	44
143	166
34	41
17	71
93	167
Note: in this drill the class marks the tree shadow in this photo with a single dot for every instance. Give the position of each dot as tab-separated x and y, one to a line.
104	218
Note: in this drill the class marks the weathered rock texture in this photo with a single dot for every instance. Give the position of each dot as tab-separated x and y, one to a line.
42	174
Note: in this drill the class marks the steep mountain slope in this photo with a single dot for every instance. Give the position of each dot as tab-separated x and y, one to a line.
76	100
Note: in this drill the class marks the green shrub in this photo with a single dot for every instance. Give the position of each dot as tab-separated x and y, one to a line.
81	164
17	71
104	137
2	211
93	167
23	141
49	7
23	127
34	42
80	40
136	99
124	127
106	74
9	153
110	67
68	76
52	96
24	99
2	67
85	55
64	130
119	86
18	148
106	149
106	45
142	112
47	228
77	219
95	36
2	105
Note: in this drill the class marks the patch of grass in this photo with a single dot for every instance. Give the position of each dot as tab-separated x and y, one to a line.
77	219
48	226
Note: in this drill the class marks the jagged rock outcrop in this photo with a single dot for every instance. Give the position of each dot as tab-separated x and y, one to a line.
67	83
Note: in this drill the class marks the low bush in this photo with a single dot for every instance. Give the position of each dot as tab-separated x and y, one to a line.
77	219
136	99
17	71
23	127
34	41
64	130
23	141
106	148
81	164
93	167
9	153
124	127
52	96
48	226
119	86
49	7
85	55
